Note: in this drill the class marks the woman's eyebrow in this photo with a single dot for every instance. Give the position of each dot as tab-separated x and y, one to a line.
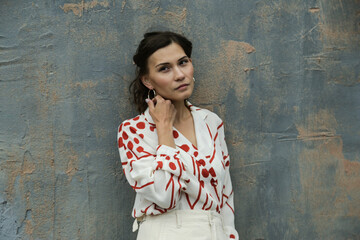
167	63
161	64
184	57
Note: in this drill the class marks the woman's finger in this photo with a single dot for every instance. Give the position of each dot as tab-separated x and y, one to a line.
159	98
154	100
150	103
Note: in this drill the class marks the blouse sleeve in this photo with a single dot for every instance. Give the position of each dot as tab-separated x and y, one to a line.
227	210
156	174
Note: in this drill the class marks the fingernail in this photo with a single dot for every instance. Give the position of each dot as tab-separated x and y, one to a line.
147	100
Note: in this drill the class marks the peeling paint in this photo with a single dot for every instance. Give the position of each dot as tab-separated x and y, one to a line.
72	166
28	166
86	84
320	126
123	5
79	8
330	182
176	16
314	10
247	47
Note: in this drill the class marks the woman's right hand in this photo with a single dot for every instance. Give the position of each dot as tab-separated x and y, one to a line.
163	113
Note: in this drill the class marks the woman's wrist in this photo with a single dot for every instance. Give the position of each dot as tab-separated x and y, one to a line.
164	127
165	135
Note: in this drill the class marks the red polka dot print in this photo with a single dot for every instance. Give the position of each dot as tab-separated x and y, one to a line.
202	162
130	145
159	165
133	130
185	147
175	134
205	173
125	136
140	125
212	172
121	144
208	169
172	166
129	155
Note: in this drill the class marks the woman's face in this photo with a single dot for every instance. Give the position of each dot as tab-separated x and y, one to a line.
170	73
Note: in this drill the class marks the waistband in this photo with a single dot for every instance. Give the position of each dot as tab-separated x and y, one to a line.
186	215
179	216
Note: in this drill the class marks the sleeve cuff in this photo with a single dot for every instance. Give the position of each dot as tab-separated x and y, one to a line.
168	159
164	149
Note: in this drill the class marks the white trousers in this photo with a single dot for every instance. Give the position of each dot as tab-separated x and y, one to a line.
182	225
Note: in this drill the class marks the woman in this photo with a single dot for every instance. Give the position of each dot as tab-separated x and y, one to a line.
174	154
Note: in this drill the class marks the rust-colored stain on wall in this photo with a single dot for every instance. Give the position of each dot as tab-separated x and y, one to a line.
330	182
79	8
283	75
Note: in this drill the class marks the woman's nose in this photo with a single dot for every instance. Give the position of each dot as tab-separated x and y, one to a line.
179	74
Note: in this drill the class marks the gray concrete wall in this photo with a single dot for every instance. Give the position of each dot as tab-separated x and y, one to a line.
284	76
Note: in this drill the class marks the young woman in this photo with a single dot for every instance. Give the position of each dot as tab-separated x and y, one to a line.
174	154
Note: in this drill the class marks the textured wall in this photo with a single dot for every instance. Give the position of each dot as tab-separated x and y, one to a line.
283	74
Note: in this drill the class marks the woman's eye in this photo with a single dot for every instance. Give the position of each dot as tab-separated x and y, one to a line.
183	62
163	69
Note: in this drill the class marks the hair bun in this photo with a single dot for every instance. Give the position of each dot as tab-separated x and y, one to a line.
149	34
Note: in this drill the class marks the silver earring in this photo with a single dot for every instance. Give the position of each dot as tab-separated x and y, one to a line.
194	79
153	91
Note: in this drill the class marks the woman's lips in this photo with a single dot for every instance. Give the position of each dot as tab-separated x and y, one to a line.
182	87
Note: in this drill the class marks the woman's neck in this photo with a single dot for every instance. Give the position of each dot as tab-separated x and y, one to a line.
182	111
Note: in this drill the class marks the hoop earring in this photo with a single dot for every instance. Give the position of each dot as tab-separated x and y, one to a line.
194	79
153	91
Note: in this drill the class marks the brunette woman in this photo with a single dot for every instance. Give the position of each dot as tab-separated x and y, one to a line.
174	154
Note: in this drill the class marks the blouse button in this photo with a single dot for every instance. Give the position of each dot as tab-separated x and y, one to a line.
214	182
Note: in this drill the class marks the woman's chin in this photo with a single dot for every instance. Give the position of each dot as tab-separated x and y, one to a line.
178	97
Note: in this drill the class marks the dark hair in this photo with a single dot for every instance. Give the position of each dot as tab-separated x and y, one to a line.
152	42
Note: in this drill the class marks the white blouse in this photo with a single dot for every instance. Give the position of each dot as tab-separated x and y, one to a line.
187	177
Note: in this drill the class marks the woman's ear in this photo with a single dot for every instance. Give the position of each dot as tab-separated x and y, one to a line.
146	81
